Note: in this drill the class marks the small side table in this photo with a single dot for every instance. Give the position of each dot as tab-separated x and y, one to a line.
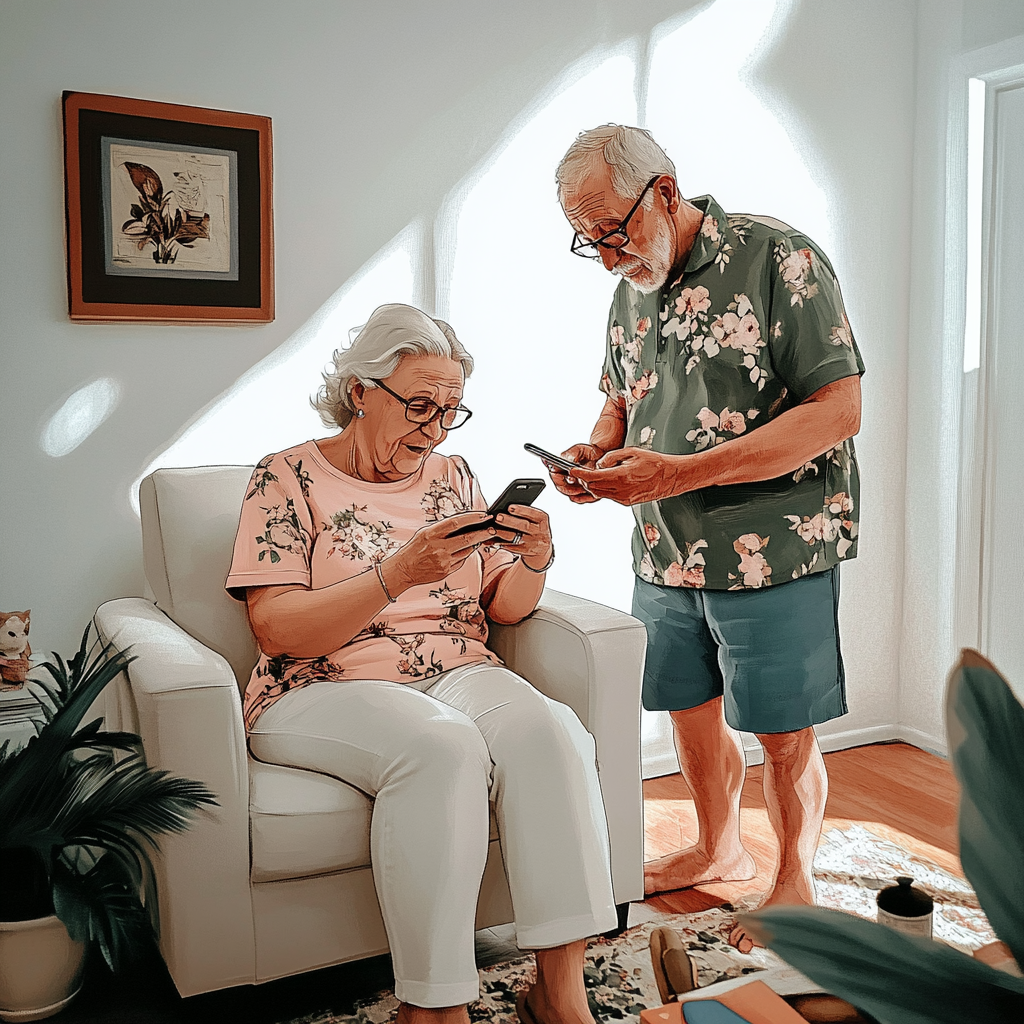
21	715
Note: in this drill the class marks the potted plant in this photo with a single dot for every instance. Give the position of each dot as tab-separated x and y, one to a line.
79	810
903	979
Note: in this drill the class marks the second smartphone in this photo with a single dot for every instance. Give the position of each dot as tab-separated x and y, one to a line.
522	491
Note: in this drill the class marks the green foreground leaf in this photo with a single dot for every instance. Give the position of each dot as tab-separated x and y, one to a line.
985	729
899	979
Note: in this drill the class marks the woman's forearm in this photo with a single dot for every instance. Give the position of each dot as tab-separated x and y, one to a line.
302	623
516	594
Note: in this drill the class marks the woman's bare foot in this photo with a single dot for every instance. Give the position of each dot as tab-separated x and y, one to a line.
692	866
559	996
409	1014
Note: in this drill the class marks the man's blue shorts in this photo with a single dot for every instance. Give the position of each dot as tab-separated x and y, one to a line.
773	652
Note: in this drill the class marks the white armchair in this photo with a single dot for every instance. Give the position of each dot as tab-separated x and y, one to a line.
276	880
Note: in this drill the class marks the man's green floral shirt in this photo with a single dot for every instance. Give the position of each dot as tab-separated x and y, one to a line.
753	326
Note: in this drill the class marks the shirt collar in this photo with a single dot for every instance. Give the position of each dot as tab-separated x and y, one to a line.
710	237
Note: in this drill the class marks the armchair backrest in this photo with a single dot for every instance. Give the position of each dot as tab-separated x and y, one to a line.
189	520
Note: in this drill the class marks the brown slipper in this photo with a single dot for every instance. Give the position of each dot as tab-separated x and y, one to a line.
523	1011
674	971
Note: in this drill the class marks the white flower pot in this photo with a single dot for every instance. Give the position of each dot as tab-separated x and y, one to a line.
40	968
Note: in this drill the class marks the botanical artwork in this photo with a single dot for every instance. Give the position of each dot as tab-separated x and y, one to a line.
169	211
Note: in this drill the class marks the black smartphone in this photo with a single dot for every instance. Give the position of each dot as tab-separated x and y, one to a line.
555	460
522	491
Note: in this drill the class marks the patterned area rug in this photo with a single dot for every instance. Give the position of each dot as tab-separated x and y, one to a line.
849	868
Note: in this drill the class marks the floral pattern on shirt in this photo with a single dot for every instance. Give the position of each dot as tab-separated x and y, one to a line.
752	325
304	522
282	532
358	537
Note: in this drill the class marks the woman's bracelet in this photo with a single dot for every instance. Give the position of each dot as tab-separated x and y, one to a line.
546	567
384	586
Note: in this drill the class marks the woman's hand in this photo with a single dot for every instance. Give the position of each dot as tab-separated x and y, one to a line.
432	553
526	531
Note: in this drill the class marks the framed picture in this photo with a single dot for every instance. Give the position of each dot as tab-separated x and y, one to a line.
169	212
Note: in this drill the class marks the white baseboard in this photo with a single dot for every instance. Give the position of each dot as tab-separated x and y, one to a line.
846	738
663	761
924	740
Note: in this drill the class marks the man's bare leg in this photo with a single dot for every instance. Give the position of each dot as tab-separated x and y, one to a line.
795	790
712	764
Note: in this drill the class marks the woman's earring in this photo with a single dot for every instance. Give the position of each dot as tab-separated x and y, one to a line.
360	414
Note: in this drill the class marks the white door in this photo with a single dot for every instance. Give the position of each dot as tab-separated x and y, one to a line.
1002	561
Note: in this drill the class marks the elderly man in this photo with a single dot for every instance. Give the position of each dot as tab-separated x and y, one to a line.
733	389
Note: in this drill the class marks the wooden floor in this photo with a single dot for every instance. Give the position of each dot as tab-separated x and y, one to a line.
894	790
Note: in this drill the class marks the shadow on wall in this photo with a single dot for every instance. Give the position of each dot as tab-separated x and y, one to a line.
497	255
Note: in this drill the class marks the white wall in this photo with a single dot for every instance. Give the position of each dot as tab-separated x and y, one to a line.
379	111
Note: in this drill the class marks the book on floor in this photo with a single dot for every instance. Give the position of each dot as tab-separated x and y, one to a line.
750	1003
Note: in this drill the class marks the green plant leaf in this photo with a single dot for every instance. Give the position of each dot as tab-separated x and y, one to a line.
985	730
88	807
102	905
899	979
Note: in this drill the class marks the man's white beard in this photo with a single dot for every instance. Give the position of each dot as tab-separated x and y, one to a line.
646	276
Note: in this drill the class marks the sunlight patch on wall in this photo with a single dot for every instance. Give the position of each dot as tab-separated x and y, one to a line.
267	408
79	416
720	136
533	316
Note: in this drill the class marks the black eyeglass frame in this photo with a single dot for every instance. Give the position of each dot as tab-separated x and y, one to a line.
438	414
578	244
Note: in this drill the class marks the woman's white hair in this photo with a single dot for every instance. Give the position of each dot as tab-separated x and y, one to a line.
392	332
631	153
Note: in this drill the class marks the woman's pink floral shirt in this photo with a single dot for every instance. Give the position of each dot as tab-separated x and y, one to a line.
304	521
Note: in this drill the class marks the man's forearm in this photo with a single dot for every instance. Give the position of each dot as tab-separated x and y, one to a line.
781	446
609	432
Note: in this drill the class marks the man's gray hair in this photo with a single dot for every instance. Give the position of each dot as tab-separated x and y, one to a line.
392	332
631	153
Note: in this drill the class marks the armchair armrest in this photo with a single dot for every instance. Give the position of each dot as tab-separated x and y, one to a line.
592	658
182	699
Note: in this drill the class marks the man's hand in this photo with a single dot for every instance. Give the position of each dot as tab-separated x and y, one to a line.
632	476
567	483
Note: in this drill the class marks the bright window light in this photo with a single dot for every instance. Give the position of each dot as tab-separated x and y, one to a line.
79	416
729	144
534	316
975	175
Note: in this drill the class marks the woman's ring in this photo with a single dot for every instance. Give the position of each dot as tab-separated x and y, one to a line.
517	537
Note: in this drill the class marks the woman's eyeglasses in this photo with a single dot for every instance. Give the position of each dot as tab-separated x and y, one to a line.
423	410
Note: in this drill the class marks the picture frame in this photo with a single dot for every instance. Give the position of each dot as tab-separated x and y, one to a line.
169	212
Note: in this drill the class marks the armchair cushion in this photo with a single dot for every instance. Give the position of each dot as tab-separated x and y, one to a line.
304	823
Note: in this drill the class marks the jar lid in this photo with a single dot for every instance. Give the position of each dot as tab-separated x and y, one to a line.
904	900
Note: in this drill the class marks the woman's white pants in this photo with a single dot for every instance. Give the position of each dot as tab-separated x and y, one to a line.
432	756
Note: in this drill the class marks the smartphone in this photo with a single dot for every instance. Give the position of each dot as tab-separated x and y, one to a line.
555	460
522	491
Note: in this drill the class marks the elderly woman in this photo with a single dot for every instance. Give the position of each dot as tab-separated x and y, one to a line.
371	618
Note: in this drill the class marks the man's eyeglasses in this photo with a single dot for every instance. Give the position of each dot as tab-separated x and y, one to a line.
614	239
423	410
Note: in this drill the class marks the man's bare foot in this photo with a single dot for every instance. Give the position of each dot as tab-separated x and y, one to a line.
687	868
793	895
